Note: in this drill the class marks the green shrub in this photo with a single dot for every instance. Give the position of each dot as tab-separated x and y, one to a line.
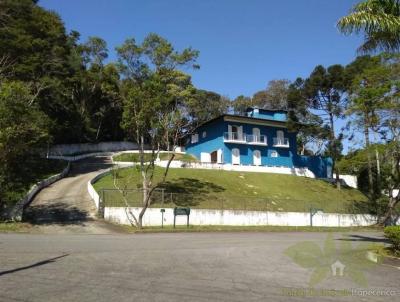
393	234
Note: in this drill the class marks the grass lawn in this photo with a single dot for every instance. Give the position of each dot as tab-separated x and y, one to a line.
266	228
134	157
214	189
15	227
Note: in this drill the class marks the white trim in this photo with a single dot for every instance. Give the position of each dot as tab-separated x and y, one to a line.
235	156
205	157
220	154
257	157
244	120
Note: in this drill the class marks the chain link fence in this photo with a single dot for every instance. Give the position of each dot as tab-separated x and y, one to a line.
163	199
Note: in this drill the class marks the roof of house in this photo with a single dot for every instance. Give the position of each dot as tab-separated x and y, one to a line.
242	117
265	109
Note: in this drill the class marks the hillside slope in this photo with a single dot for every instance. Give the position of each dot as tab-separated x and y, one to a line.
216	189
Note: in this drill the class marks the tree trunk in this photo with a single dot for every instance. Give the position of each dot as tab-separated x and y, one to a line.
393	201
334	151
369	160
146	198
378	167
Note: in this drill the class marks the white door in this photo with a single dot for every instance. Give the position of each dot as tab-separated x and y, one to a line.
256	135
205	157
257	158
235	156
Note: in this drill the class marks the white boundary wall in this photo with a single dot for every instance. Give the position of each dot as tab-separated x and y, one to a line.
17	210
92	192
350	180
79	157
71	149
152	217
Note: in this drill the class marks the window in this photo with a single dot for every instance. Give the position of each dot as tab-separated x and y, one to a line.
279	134
204	134
195	138
274	154
256	132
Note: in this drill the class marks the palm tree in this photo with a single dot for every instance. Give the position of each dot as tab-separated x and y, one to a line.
380	22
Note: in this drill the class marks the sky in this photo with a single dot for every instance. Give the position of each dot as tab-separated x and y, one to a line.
243	44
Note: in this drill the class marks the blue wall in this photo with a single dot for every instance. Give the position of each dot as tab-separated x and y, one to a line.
214	139
267	114
287	157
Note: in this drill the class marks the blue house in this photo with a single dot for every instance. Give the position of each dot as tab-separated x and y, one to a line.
259	138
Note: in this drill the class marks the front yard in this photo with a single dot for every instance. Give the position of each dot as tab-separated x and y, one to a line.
134	157
215	189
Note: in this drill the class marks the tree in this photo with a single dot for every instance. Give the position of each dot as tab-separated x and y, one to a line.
241	103
324	92
94	51
375	106
274	96
154	91
312	134
205	105
389	118
370	85
23	129
380	22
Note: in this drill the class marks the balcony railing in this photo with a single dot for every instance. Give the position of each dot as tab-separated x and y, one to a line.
281	142
234	137
256	139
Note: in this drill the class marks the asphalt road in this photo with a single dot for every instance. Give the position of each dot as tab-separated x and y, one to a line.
174	267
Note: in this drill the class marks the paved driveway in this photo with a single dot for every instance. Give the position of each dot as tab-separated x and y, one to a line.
170	267
65	206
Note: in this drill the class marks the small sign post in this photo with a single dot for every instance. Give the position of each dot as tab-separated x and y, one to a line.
182	211
162	217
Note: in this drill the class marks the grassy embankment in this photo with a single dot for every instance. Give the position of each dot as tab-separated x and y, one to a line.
134	157
214	189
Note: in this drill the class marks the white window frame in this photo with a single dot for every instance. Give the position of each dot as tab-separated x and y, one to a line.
195	138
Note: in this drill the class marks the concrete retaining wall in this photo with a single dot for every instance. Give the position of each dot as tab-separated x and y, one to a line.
79	157
240	168
71	149
350	180
92	192
17	210
152	217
